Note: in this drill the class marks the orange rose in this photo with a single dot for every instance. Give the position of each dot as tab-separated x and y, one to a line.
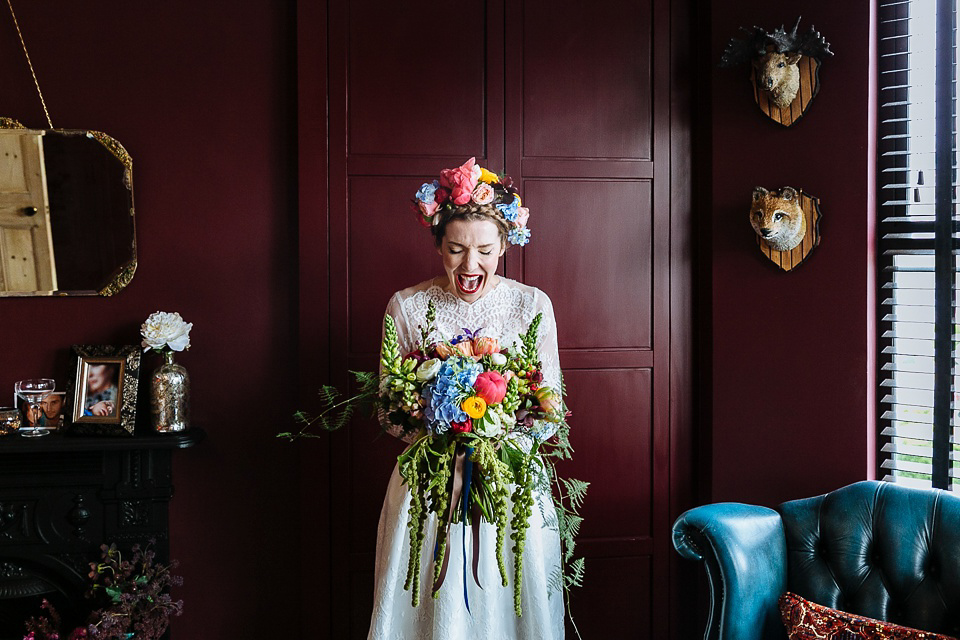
484	346
465	348
443	350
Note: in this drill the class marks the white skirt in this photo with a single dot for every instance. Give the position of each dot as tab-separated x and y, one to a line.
491	615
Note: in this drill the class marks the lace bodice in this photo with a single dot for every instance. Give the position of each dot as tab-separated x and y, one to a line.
503	313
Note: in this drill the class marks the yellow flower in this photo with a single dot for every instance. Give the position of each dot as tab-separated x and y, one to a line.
475	406
488	176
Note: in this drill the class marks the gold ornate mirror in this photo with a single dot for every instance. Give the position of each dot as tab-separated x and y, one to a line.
66	212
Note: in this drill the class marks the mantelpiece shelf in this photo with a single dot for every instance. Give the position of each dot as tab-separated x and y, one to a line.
65	442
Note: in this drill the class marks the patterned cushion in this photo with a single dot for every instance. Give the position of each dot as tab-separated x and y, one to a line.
807	620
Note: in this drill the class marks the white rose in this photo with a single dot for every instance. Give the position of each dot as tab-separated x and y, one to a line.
428	369
164	329
498	359
492	424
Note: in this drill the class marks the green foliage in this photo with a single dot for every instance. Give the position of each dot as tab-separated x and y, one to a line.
427	330
576	491
335	413
529	355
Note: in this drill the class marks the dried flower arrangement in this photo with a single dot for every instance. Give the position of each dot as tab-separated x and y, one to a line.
130	600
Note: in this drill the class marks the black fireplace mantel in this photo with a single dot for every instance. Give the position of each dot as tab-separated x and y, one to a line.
63	496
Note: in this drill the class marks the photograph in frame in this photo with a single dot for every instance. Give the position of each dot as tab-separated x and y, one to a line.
52	407
102	391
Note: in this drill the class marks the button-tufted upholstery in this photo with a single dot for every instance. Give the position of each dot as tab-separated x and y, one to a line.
871	548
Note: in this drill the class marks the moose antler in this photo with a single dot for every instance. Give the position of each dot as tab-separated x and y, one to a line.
743	51
810	44
740	51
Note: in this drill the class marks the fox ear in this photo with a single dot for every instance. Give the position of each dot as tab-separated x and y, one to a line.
758	193
793	58
788	193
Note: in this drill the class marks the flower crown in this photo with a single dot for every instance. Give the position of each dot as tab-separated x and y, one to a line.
472	183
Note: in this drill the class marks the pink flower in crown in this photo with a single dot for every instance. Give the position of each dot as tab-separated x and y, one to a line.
522	215
427	209
415	207
461	181
483	194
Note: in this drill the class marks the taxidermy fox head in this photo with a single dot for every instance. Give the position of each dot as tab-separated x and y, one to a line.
777	218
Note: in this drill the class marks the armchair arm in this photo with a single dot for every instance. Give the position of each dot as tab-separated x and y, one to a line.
744	552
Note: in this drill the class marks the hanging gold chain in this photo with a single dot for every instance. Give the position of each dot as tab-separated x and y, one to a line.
30	64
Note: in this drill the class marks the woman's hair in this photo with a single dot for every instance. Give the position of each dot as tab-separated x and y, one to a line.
468	212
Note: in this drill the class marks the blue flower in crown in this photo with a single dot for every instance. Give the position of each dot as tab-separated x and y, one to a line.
510	211
427	192
519	236
447	391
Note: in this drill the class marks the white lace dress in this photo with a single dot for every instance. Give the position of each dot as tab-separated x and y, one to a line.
504	313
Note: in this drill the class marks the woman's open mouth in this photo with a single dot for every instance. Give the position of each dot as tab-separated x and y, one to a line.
469	283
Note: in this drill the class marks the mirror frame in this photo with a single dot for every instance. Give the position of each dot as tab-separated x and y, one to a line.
122	276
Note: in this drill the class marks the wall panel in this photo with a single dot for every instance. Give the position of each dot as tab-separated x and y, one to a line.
593	253
562	98
587	79
415	78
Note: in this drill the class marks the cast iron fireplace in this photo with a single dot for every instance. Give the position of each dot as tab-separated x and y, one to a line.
61	497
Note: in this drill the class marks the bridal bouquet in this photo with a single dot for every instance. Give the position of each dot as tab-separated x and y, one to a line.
482	411
488	430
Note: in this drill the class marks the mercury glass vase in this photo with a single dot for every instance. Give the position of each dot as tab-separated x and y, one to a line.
170	396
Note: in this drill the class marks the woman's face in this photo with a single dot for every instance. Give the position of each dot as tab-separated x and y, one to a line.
99	377
471	250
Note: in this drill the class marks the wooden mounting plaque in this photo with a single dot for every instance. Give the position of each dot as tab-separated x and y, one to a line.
809	86
791	259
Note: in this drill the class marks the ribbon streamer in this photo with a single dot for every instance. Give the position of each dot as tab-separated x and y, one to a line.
460	496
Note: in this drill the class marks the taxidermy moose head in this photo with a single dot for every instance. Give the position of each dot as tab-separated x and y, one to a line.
777	74
774	57
777	218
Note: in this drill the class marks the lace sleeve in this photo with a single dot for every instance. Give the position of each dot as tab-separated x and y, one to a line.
549	357
395	310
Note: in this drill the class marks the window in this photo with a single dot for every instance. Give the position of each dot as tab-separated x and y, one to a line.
917	255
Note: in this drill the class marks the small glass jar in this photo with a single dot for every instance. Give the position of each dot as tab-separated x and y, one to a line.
9	421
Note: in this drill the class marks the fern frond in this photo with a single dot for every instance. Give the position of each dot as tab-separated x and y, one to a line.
577	570
556	581
336	411
328	395
576	491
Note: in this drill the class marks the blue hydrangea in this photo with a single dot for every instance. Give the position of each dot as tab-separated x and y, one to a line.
447	391
519	236
509	211
427	192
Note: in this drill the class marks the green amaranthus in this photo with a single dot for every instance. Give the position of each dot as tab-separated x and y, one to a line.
507	469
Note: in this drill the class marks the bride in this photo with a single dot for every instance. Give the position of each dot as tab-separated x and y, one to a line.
473	214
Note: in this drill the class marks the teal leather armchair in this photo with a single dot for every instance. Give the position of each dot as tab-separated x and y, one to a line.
871	548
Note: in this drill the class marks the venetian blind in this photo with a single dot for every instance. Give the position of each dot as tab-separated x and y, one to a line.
917	243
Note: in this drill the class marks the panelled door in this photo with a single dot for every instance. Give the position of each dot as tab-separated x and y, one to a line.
26	243
573	100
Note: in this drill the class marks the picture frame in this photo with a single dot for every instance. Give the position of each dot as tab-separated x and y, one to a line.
102	390
53	407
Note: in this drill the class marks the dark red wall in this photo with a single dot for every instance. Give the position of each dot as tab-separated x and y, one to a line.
202	96
789	355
